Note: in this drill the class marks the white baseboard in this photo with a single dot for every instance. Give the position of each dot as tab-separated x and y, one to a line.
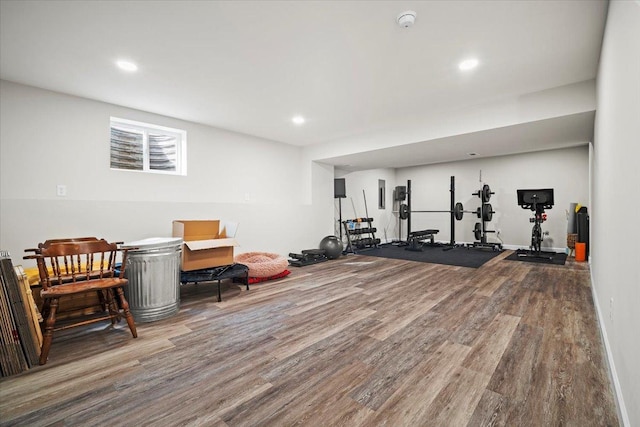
622	409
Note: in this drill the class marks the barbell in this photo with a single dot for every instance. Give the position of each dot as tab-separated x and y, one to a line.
486	211
457	211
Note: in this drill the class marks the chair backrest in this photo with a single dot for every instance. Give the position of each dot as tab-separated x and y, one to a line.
62	263
50	242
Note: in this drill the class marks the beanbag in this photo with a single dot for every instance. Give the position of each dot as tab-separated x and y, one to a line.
254	280
262	264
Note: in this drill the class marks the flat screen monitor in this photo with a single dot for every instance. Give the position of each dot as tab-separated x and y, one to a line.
542	197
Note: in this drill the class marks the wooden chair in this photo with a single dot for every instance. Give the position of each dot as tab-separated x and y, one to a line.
48	243
68	269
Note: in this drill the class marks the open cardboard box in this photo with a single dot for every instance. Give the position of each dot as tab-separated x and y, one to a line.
207	243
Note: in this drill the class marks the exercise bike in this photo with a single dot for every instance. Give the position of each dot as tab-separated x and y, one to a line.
536	201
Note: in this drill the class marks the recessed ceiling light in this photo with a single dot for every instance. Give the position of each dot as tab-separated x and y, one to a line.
472	154
468	64
127	66
298	120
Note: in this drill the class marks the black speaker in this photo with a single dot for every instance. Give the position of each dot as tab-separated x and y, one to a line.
401	193
583	228
339	188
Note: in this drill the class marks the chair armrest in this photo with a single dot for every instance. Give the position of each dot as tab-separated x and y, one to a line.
123	266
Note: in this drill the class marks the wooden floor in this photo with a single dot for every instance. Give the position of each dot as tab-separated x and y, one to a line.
359	341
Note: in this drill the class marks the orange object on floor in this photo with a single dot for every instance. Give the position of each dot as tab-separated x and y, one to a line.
581	251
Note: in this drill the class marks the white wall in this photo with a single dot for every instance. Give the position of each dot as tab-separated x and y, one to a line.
49	138
320	223
616	189
499	113
565	170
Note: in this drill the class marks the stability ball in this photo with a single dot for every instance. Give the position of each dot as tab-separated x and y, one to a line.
332	247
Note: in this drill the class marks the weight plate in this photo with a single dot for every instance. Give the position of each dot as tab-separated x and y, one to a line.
479	212
458	211
487	212
486	193
404	211
477	231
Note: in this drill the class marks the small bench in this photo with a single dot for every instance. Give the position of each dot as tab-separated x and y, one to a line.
416	239
233	271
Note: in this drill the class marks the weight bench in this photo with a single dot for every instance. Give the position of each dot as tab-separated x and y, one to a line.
307	257
416	239
233	271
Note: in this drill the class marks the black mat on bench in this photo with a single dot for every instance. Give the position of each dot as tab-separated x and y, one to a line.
458	256
546	257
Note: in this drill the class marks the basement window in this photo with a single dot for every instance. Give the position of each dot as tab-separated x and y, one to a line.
144	147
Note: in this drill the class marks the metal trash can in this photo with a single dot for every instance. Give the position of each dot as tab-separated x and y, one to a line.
153	270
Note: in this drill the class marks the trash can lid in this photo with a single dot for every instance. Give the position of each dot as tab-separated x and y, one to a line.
153	243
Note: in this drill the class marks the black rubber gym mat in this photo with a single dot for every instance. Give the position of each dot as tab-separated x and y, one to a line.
554	258
458	256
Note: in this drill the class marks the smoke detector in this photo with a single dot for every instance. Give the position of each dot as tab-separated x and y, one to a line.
406	19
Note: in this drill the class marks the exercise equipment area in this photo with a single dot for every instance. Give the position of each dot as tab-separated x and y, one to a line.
485	213
360	233
331	246
416	239
536	201
307	257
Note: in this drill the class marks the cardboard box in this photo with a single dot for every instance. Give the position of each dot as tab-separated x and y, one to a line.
207	243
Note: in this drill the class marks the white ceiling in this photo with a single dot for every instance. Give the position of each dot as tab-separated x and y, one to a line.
249	66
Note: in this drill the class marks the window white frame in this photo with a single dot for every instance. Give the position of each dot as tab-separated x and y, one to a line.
144	130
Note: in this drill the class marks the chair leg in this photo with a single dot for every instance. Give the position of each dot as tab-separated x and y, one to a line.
44	311
110	302
48	330
102	301
127	313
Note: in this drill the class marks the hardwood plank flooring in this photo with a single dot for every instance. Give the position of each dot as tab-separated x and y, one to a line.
359	341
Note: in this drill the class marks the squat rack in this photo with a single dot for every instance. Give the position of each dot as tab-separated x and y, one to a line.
451	211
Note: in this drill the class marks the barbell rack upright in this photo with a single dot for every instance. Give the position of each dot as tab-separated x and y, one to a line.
452	191
409	209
